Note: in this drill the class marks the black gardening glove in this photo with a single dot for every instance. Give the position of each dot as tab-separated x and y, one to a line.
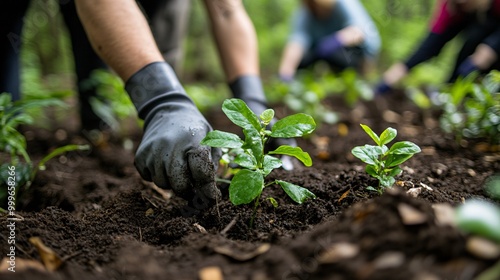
170	153
249	89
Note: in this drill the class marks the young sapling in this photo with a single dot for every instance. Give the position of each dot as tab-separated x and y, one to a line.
383	162
20	170
247	184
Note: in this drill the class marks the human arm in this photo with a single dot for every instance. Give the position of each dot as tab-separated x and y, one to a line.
169	154
483	57
237	45
290	60
444	27
298	43
109	26
357	29
235	38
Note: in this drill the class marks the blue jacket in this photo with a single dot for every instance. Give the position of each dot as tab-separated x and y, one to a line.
308	30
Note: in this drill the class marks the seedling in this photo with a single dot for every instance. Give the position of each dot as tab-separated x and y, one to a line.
479	217
482	218
383	162
12	142
247	184
356	89
472	109
112	103
306	98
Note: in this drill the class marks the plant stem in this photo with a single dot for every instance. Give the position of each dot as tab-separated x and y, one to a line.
223	180
256	204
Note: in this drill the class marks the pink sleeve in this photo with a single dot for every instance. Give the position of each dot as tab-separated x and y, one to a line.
444	18
496	8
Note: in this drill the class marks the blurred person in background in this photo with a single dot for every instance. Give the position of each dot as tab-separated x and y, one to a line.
167	19
170	153
339	32
478	21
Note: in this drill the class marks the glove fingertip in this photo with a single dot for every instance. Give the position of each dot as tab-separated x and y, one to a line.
210	191
144	172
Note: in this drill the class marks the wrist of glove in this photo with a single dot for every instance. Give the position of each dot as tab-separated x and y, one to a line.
170	153
287	79
466	68
382	88
249	89
328	45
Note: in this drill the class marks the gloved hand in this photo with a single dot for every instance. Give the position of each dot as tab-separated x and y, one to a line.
382	88
328	45
170	153
285	78
249	89
466	67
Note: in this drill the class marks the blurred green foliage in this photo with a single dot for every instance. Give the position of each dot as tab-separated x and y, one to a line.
471	107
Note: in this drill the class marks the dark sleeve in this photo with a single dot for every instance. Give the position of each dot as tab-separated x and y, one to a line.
444	27
430	47
493	41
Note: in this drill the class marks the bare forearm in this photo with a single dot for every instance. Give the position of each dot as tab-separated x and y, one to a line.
292	56
395	73
119	34
484	57
235	37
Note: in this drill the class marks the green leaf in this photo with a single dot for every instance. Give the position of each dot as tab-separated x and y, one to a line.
492	187
387	136
404	147
221	139
296	152
371	170
19	119
387	181
246	160
105	112
273	202
396	159
370	188
22	105
267	116
479	217
61	150
239	113
297	125
245	186
253	142
372	134
5	100
270	163
297	193
368	154
394	172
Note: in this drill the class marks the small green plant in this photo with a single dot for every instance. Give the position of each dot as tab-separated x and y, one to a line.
13	143
492	187
482	218
355	88
112	103
383	162
471	109
479	217
303	98
247	184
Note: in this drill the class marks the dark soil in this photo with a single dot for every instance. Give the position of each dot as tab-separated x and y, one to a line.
96	213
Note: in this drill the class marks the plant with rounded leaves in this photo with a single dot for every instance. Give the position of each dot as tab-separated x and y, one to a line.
247	184
383	162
